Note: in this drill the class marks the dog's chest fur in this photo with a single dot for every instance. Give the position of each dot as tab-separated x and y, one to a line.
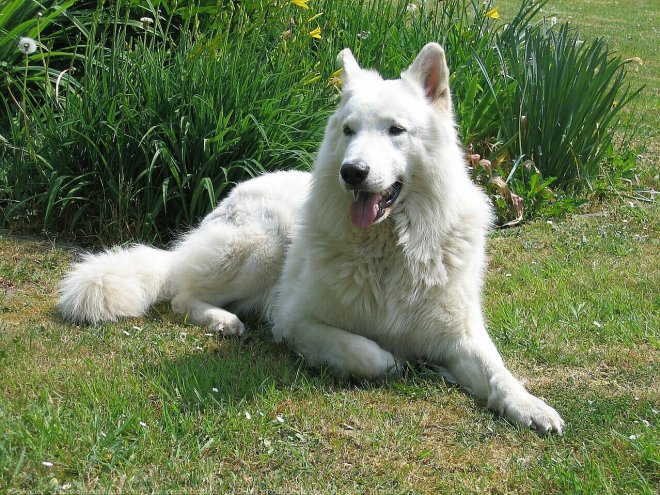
364	285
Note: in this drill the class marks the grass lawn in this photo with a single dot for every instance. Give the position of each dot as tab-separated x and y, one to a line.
156	405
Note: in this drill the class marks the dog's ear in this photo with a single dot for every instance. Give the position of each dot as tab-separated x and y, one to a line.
347	62
431	72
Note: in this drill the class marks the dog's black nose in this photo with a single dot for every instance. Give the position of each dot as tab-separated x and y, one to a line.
354	173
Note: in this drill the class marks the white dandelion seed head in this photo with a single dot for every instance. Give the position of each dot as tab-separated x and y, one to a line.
27	45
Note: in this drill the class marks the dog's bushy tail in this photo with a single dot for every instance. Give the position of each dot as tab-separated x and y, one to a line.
118	282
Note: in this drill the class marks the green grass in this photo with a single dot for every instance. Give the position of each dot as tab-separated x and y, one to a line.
156	405
152	125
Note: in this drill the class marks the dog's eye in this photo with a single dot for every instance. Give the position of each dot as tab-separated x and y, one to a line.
395	130
348	131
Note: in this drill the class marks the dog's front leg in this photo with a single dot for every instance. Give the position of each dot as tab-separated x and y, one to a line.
347	353
474	363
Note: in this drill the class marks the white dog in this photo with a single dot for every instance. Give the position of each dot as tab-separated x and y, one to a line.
376	258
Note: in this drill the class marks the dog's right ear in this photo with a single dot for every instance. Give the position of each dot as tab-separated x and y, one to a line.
349	66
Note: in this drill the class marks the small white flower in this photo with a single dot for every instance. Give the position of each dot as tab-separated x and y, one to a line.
411	7
214	389
279	418
146	21
553	21
363	35
143	424
248	415
27	45
126	333
634	437
47	463
596	324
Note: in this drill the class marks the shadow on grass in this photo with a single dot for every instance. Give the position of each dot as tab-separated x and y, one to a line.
228	372
254	369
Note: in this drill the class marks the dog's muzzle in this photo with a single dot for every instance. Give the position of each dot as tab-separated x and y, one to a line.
369	207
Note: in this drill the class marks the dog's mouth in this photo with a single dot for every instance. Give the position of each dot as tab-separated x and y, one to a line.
369	207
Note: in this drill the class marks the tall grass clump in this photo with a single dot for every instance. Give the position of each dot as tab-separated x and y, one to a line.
567	100
166	105
56	30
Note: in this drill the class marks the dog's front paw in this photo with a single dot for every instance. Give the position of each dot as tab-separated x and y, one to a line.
524	409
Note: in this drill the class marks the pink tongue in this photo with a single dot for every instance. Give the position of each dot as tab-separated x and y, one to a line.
364	209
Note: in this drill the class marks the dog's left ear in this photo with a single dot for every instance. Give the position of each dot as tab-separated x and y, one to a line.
431	72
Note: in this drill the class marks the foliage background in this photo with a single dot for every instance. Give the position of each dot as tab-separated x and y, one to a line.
118	129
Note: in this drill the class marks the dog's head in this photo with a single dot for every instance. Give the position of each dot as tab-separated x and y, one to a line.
384	129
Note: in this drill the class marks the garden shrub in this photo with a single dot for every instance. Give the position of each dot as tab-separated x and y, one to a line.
163	107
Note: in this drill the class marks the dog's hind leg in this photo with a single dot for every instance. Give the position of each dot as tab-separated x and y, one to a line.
204	314
221	265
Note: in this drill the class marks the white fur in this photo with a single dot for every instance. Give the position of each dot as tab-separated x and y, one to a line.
360	300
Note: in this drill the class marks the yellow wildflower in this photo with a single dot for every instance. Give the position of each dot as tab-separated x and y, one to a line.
301	3
493	14
335	79
316	33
